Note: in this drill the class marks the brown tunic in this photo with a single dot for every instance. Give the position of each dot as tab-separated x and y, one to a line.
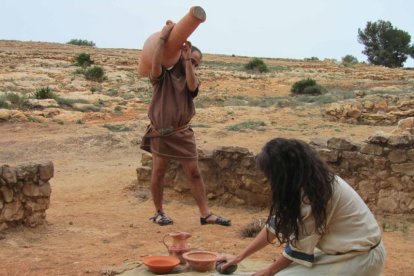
170	112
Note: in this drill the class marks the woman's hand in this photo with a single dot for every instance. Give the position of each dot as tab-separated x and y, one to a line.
230	260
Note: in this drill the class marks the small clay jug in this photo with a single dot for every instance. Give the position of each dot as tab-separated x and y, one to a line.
179	244
179	34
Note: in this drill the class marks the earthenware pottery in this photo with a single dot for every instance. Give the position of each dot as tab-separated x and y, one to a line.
161	264
201	261
179	244
179	34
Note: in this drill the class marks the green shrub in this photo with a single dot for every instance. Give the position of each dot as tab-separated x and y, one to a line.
83	60
117	128
349	60
306	86
313	90
79	71
256	64
69	102
44	93
118	109
12	100
312	59
3	102
95	73
81	42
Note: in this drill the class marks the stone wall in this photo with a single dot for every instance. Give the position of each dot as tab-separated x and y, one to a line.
381	170
371	111
24	193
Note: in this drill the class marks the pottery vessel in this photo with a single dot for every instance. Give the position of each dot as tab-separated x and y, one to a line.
179	34
201	261
179	244
161	264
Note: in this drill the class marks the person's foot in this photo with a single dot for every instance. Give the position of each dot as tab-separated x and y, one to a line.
161	219
214	219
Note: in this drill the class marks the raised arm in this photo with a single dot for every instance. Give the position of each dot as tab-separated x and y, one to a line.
156	68
191	78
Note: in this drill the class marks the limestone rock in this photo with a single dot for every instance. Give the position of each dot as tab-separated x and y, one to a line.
85	107
32	190
34	219
387	202
34	205
401	140
379	138
406	168
341	144
9	174
7	193
406	124
397	156
27	172
42	103
5	114
46	170
372	149
13	211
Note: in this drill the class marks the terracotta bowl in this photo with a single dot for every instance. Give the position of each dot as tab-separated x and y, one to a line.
201	261
161	264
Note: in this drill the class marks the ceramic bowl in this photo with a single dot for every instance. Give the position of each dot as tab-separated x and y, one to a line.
201	261
161	264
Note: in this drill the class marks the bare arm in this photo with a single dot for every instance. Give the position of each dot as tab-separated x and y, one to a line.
191	78
258	243
280	264
156	68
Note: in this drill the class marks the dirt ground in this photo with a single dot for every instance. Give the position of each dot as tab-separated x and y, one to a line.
95	219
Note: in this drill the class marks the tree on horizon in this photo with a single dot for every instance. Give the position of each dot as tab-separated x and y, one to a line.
385	45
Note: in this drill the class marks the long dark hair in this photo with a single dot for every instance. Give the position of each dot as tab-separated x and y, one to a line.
297	175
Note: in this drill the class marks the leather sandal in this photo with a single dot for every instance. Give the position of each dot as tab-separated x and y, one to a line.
161	219
219	220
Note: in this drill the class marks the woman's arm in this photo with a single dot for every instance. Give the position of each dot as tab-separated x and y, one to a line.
280	264
258	243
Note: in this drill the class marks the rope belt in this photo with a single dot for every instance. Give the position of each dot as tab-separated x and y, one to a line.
162	132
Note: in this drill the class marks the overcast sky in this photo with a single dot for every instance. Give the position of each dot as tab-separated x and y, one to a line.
259	28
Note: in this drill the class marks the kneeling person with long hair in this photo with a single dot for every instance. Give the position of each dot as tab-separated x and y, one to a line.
326	227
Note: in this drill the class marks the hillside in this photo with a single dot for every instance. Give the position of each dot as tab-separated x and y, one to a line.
91	131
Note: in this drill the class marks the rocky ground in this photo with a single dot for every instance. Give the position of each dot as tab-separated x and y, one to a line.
95	218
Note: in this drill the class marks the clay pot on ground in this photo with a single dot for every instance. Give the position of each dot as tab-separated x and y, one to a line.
161	264
201	261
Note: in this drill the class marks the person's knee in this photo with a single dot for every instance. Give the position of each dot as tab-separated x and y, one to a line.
158	174
194	174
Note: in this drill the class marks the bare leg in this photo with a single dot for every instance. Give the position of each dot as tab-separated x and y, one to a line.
198	191
197	187
159	167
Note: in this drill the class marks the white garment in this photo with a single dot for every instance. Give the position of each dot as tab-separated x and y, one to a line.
345	247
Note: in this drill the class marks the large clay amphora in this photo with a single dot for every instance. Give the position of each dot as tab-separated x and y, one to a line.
179	244
179	34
